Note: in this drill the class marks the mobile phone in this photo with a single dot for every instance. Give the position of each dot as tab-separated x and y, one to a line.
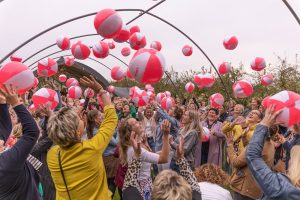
86	102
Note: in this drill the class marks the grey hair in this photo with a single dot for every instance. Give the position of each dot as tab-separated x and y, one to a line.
62	128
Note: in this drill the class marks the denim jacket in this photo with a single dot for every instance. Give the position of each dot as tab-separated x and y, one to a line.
274	185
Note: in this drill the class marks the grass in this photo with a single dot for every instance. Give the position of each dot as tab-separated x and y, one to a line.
116	196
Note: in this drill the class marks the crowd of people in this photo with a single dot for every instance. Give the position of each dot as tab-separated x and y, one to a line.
111	146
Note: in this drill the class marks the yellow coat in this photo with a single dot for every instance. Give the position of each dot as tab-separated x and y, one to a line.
237	131
83	165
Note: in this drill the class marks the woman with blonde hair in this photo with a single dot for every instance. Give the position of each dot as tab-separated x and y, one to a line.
274	185
191	132
132	126
77	167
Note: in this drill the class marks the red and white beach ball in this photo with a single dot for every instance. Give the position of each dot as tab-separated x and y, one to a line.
125	51
187	50
242	89
134	29
90	92
216	100
123	35
101	49
117	73
111	45
17	74
132	90
160	96
140	97
205	135
108	23
225	68
32	107
265	101
230	43
258	64
72	82
205	80
62	78
289	103
63	43
16	58
111	89
82	101
80	50
149	87
137	41
128	74
74	92
36	82
47	67
156	45
69	61
167	103
45	96
266	79
189	87
168	94
147	66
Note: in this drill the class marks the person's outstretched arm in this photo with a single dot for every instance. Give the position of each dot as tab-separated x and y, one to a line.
5	122
108	126
274	185
17	155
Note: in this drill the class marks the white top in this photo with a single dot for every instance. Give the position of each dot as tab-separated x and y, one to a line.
147	158
210	191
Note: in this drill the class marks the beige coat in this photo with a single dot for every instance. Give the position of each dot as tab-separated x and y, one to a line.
241	180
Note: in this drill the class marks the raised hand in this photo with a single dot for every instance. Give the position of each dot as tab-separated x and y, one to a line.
91	83
135	143
166	127
270	116
229	139
180	149
11	95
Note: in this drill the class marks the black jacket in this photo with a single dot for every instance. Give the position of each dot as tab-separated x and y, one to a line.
18	179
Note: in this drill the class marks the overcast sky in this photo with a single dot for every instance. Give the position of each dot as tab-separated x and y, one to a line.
263	27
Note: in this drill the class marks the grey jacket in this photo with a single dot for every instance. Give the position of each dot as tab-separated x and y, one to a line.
274	185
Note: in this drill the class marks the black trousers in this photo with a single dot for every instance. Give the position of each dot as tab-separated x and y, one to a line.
238	196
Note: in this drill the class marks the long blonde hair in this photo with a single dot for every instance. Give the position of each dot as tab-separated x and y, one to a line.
124	144
294	166
194	125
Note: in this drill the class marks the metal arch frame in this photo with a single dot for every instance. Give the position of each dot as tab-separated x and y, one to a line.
143	12
291	10
87	58
74	19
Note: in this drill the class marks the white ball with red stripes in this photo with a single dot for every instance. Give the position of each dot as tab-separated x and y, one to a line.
242	89
216	100
137	41
63	43
126	51
225	68
187	50
167	103
72	82
266	79
156	45
74	92
258	64
47	67
100	49
80	50
62	78
117	73
45	96
17	74
69	61
189	87
123	35
147	66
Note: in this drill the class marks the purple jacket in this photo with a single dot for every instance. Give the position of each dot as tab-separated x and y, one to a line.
215	145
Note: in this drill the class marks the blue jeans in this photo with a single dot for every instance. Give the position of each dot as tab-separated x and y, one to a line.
151	143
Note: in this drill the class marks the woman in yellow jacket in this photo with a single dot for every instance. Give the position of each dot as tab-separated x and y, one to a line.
77	167
242	129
